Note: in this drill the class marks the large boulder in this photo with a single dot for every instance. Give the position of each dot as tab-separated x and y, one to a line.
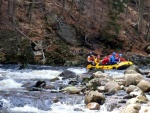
112	87
94	96
131	108
68	74
135	68
93	84
131	88
71	90
100	74
132	79
138	99
144	85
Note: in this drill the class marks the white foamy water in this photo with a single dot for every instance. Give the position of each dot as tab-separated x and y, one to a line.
78	70
26	109
7	84
31	74
63	108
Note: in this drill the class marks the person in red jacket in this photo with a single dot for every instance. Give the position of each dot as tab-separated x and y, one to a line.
105	60
121	59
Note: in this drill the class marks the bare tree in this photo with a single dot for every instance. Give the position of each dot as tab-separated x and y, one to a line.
71	7
127	8
14	10
141	12
148	29
10	8
31	10
63	8
1	8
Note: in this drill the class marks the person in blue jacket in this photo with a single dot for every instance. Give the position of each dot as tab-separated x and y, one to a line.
113	59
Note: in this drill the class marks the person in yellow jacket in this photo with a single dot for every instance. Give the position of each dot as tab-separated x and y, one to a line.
97	60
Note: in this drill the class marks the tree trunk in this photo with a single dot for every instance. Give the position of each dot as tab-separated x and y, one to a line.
141	12
148	30
0	8
14	10
127	8
71	8
31	10
10	8
63	8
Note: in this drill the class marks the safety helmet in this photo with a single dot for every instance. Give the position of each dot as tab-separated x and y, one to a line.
91	53
113	53
120	54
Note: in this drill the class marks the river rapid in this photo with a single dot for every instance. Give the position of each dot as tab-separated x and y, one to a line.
14	96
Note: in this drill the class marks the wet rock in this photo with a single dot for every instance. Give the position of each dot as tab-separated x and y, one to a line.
100	74
54	79
148	49
111	106
136	92
68	74
49	87
131	107
93	106
144	85
78	109
71	90
101	88
138	99
130	72
119	79
93	84
145	109
132	79
40	84
131	88
73	82
94	96
135	68
148	75
112	87
127	97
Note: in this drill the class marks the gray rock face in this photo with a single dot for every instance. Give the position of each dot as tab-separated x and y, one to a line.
15	47
67	33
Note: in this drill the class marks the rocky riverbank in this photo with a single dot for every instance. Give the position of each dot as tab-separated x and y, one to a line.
125	92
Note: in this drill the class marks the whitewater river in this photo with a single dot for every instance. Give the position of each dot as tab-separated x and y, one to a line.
15	98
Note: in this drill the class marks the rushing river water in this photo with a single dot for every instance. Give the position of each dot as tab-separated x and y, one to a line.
15	98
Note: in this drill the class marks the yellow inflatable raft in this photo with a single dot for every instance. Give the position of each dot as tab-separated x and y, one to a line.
119	66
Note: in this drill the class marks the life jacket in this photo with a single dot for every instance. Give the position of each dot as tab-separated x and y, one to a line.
122	59
97	60
91	58
105	60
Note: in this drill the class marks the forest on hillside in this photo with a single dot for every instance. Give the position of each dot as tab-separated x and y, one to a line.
88	24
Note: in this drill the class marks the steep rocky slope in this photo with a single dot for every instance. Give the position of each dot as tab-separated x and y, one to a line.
63	34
